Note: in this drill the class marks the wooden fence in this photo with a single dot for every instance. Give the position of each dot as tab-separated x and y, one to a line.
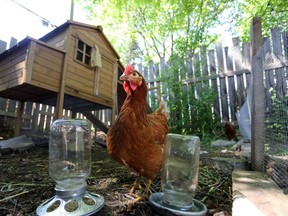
227	70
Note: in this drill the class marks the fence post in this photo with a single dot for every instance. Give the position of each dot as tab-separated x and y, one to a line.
258	100
20	109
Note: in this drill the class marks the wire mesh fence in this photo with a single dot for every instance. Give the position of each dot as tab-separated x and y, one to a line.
276	107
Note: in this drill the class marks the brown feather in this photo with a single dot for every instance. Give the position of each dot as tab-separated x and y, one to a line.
136	139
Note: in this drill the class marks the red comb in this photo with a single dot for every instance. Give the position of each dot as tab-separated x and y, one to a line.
128	68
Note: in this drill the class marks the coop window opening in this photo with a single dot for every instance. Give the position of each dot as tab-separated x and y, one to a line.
83	52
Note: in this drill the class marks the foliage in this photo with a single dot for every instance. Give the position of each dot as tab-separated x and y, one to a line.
276	121
190	105
145	30
274	13
6	131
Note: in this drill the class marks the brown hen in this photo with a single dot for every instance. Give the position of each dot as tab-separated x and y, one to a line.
136	140
230	131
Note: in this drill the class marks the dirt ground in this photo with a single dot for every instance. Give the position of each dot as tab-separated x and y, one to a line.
25	184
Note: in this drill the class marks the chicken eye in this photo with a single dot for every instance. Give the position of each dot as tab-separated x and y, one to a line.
134	74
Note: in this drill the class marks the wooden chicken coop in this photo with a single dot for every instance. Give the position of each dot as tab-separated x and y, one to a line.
72	67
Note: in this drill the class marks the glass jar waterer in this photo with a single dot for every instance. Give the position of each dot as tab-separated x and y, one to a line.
69	167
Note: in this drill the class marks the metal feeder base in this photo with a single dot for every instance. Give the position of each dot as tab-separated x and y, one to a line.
85	204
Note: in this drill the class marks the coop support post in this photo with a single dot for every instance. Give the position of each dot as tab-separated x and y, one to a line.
18	124
61	93
258	99
114	92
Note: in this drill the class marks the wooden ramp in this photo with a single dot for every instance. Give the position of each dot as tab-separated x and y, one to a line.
92	118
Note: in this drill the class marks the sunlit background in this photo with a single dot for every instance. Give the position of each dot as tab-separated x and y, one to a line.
35	18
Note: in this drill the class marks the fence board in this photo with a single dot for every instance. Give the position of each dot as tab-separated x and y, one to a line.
223	88
238	66
247	62
197	73
13	41
279	72
285	43
28	109
3	46
212	69
237	54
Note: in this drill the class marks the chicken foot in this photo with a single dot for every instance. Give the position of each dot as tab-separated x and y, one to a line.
135	185
144	195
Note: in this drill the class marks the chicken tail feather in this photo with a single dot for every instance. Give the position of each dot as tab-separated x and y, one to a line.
163	109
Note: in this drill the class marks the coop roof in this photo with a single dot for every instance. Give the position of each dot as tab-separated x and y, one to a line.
58	30
65	25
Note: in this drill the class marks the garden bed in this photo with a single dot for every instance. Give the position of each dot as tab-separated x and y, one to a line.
25	184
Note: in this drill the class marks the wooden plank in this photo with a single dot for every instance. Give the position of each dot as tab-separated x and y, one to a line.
81	82
12	70
28	108
224	99
197	72
223	89
162	69
158	86
203	55
237	53
44	85
80	70
13	42
247	61
36	111
114	92
12	60
59	41
47	63
48	72
3	104
14	115
99	99
48	81
46	53
12	106
240	91
258	105
61	91
3	46
12	76
151	93
99	124
212	70
232	103
285	42
269	74
42	117
29	62
48	118
246	55
18	124
240	94
188	64
279	72
232	98
220	57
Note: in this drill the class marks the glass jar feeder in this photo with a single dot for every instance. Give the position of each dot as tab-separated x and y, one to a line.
69	167
179	177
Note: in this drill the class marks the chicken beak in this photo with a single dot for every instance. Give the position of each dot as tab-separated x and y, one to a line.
124	77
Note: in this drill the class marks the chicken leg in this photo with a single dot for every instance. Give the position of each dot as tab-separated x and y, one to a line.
144	195
135	185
